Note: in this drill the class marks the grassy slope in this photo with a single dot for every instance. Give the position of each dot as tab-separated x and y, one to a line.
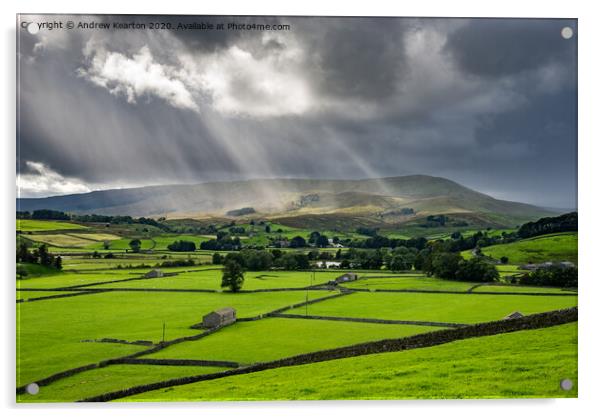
269	339
455	308
555	247
63	240
45	225
527	364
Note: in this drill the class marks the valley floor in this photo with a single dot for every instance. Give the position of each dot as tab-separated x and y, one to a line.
128	331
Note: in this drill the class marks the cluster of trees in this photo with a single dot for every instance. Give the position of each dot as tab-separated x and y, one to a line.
450	265
99	218
367	231
553	276
182	246
261	260
43	215
297	242
223	242
237	230
39	256
433	260
563	223
378	241
177	262
318	240
435	221
441	220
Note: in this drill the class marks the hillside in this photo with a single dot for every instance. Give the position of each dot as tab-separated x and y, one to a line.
555	247
367	201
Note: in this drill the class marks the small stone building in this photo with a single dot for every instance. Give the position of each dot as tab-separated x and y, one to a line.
154	273
349	276
219	317
515	315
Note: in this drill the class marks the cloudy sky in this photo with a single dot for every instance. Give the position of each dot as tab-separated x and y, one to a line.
490	103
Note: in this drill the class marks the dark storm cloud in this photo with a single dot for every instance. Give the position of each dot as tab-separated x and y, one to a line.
357	57
489	103
497	47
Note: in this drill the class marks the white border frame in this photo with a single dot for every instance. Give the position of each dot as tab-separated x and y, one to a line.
590	34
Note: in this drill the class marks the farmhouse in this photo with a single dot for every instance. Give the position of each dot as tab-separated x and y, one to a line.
154	273
329	264
515	315
349	276
219	317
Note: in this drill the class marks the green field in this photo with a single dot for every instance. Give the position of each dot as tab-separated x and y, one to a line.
508	270
45	225
450	308
275	338
519	288
211	279
64	333
66	279
50	332
487	367
100	380
62	240
26	295
416	282
556	247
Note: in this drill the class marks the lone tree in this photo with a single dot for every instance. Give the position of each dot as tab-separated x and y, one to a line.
217	259
233	276
135	245
297	242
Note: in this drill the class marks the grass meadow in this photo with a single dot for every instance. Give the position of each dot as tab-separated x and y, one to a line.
275	338
448	308
58	334
526	364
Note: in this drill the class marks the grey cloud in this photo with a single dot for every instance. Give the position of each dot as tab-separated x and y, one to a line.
377	108
356	57
498	47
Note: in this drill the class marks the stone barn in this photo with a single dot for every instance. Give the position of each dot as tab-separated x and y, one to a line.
219	317
515	315
154	273
349	276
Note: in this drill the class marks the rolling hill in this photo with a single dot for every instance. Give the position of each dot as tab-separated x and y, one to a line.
364	202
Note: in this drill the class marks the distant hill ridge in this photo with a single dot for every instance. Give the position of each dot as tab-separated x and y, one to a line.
273	197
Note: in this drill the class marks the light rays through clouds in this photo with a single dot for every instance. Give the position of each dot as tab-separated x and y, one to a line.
331	98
